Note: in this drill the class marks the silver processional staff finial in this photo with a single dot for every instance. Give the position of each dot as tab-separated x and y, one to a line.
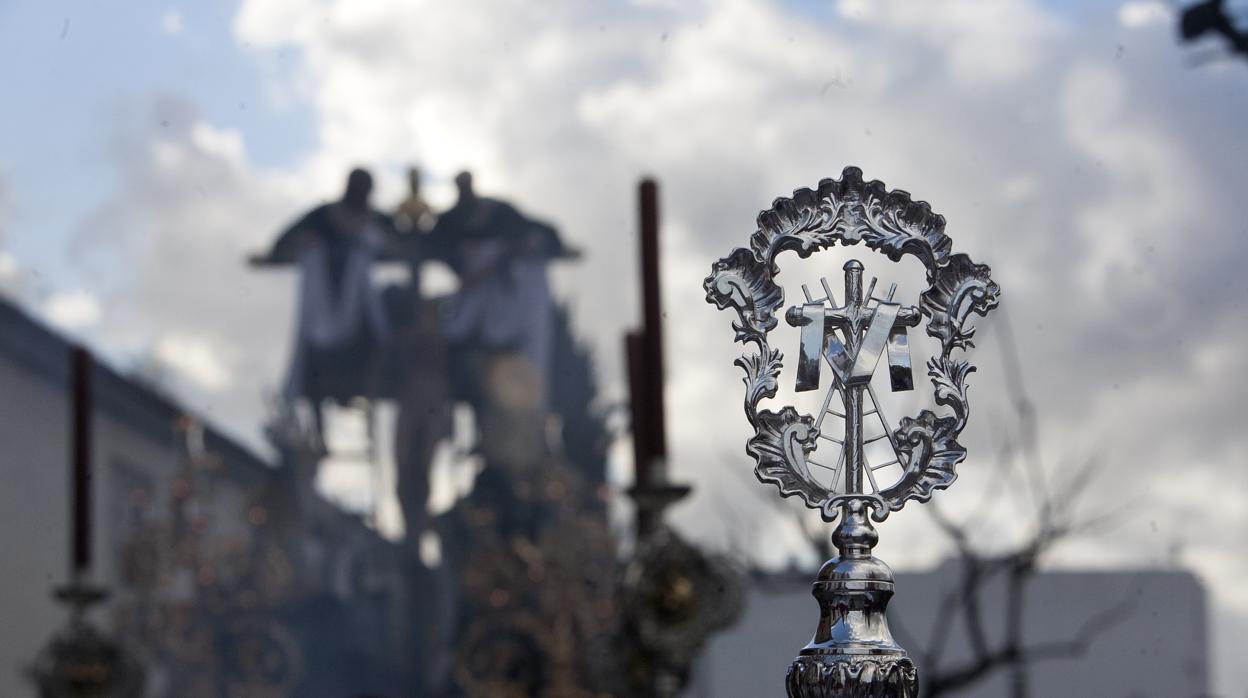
853	652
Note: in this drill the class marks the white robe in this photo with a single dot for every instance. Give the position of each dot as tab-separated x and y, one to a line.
506	310
326	321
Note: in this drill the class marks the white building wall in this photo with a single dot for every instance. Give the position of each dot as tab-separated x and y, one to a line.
134	435
34	511
1159	649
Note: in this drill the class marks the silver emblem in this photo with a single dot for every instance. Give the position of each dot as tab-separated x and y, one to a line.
851	338
853	652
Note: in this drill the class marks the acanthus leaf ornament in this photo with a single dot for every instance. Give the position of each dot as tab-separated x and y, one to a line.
739	282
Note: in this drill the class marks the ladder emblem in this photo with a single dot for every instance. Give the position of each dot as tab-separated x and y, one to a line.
851	338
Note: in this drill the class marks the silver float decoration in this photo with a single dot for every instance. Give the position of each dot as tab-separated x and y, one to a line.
853	653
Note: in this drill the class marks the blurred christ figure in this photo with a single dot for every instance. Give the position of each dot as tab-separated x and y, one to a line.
421	382
342	326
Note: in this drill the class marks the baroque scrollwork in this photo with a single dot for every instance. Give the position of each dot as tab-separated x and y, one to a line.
742	282
781	440
850	211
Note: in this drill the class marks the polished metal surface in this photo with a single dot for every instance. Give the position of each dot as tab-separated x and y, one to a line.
853	653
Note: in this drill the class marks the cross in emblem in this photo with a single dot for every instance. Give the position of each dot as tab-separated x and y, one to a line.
851	339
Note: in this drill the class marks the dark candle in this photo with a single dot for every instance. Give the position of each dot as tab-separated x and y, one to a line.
652	327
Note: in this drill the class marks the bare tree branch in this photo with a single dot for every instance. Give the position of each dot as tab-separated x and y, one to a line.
1058	516
1094	627
1012	653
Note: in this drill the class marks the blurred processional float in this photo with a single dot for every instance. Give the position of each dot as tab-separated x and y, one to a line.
853	653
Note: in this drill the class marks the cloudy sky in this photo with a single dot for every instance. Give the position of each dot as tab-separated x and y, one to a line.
1098	166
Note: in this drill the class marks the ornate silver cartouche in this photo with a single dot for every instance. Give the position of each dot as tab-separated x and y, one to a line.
853	654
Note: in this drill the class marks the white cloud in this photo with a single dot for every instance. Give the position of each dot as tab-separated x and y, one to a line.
72	311
1019	187
4	204
8	268
980	42
1144	13
194	358
172	22
168	252
227	144
10	283
1144	201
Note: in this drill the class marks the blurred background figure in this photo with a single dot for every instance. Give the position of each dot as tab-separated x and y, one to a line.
1212	17
342	326
498	325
